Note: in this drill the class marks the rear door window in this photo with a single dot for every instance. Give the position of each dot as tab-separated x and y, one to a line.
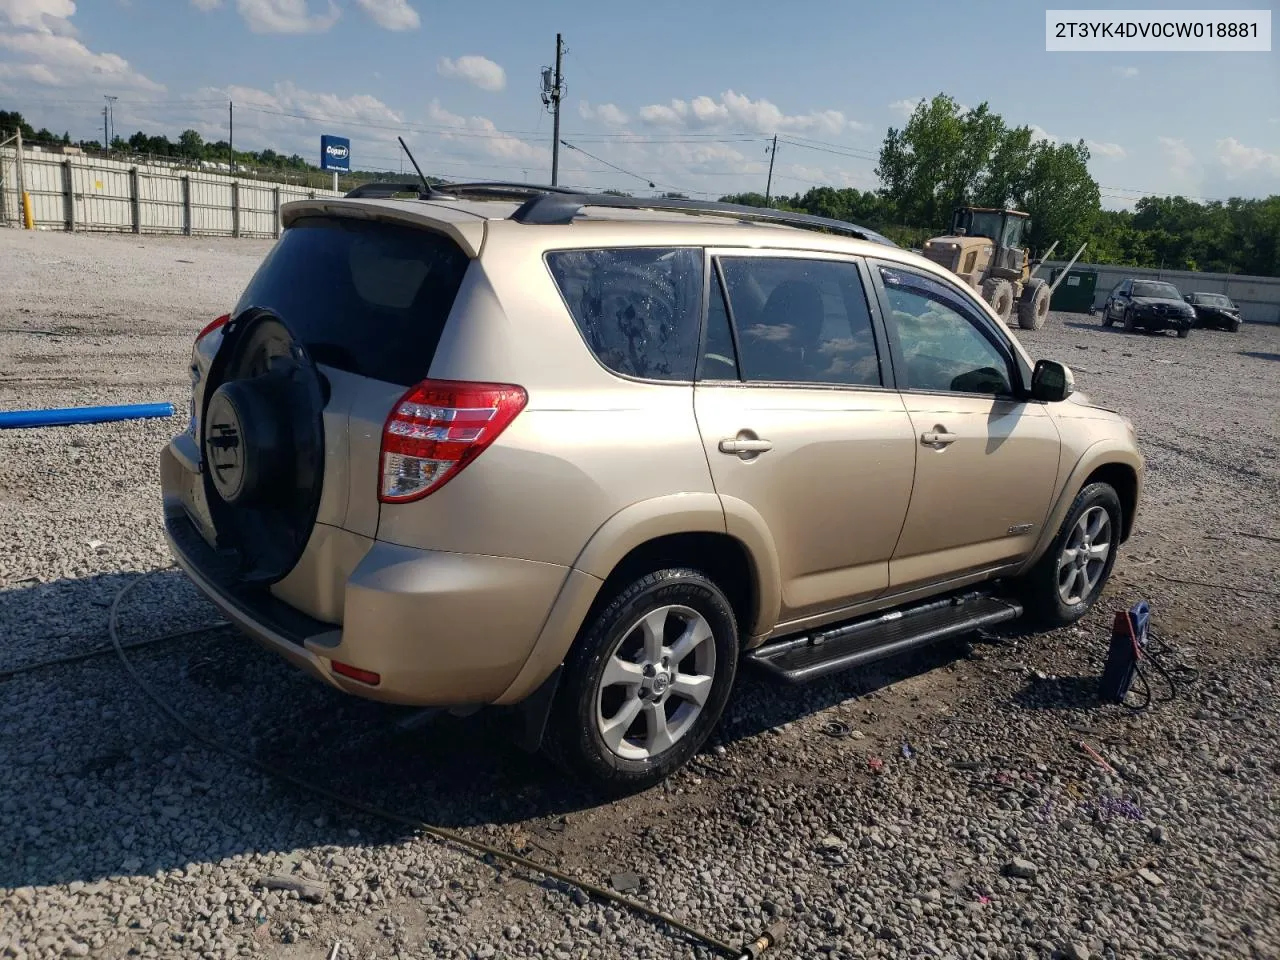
364	296
637	308
801	321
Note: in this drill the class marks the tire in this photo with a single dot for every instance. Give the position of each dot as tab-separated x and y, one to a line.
1033	308
1235	326
1184	332
1106	317
1046	602
1128	321
998	293
618	759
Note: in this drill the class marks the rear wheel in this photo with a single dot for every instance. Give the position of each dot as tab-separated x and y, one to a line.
646	682
1069	578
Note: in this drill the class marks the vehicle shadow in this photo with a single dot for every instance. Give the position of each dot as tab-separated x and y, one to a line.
1258	355
100	782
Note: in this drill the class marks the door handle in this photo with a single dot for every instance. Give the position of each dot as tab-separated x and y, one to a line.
745	446
938	438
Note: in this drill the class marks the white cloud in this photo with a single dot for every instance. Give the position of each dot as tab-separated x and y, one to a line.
43	15
607	113
1125	72
733	110
1237	159
906	107
1039	133
481	133
42	49
391	14
1112	151
476	70
286	16
1181	159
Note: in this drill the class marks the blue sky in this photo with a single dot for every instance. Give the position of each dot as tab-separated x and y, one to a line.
684	94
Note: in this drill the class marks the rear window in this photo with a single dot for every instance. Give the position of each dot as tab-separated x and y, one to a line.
367	297
638	309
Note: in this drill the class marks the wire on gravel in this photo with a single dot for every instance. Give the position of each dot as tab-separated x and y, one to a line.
8	672
439	833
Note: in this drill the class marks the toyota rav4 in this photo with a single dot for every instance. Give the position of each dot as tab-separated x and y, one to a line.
587	456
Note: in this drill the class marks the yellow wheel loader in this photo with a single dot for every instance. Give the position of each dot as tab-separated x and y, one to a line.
986	248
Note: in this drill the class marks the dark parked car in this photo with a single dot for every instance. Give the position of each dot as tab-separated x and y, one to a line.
1148	305
1215	310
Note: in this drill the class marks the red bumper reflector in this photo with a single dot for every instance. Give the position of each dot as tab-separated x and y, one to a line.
355	673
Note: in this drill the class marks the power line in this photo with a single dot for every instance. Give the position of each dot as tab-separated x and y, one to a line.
608	164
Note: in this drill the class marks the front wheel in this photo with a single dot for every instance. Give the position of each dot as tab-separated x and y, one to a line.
1234	326
1069	578
1128	321
646	682
1184	332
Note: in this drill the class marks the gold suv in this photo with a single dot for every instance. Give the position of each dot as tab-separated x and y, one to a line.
583	456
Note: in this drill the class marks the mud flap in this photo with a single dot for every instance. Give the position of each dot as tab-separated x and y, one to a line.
529	716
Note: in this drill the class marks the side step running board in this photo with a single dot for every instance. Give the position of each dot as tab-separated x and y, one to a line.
841	647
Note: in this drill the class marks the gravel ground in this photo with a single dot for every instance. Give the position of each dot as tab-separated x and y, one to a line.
985	832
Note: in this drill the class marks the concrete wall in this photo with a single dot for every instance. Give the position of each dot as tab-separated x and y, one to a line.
80	193
1257	297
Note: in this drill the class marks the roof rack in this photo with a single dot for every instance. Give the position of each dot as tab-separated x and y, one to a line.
563	208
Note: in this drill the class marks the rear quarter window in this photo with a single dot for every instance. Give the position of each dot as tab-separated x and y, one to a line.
637	309
364	296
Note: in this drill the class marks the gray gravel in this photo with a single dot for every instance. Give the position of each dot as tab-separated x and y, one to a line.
991	835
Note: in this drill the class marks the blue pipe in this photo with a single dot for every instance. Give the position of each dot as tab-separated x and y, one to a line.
69	415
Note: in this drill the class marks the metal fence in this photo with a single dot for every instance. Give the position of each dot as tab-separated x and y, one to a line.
1257	297
82	193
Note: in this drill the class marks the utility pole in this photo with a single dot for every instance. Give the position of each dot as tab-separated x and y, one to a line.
552	90
768	188
111	117
106	136
231	116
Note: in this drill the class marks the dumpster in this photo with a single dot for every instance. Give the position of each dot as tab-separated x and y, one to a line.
1075	293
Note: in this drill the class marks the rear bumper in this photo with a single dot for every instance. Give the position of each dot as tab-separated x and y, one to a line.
440	629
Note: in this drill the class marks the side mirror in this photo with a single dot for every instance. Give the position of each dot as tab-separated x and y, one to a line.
1052	382
1187	298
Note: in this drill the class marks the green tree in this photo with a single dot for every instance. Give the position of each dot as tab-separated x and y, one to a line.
1061	196
191	144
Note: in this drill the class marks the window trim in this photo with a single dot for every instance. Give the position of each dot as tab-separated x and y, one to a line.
1019	377
878	333
573	320
713	284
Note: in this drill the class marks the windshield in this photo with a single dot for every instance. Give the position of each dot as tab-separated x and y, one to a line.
978	224
1159	291
1211	300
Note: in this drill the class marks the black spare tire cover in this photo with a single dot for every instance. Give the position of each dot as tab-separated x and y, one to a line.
263	445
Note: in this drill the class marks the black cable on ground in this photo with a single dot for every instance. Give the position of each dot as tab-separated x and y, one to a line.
100	651
767	938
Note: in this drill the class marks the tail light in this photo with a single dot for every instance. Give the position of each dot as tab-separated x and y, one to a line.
436	429
215	325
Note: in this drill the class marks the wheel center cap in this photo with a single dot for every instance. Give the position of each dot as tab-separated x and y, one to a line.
660	683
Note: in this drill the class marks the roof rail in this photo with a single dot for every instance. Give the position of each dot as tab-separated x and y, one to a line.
387	188
503	189
488	189
563	208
